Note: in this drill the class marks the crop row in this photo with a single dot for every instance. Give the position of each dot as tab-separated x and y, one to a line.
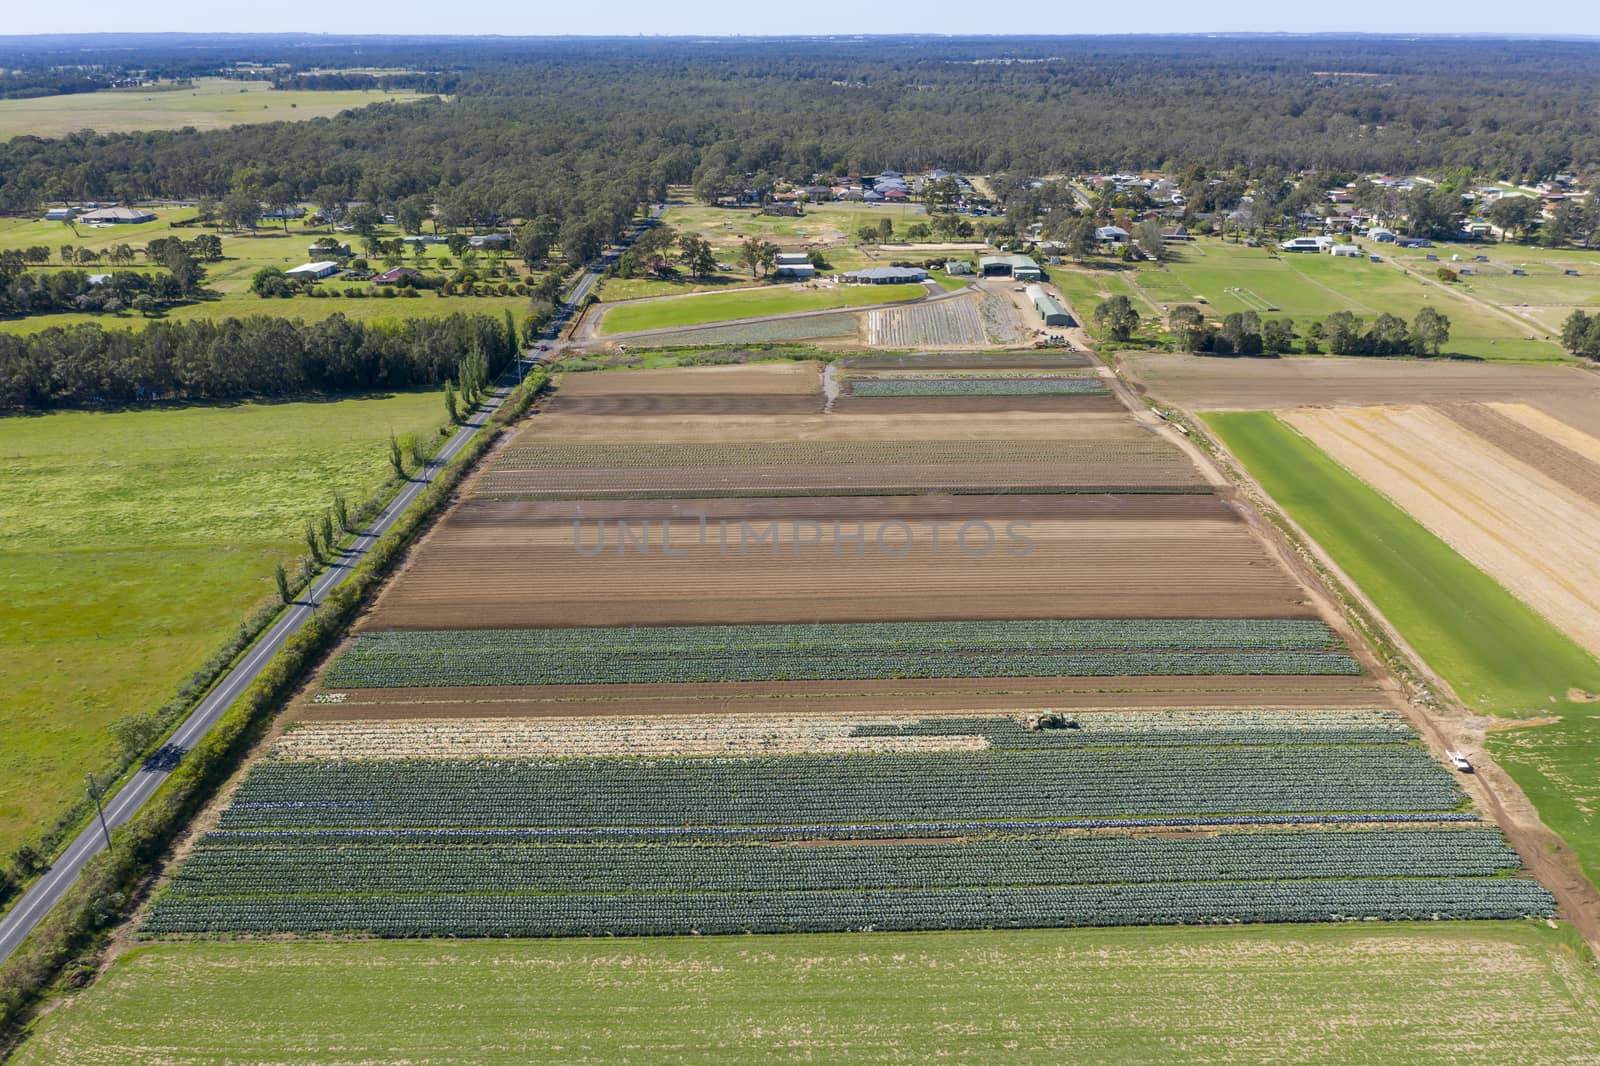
822	789
570	455
229	867
840	652
974	386
792	831
362	667
914	909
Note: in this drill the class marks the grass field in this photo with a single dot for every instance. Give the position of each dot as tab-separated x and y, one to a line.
1546	294
134	544
1232	277
1448	993
212	103
229	279
717	307
1499	655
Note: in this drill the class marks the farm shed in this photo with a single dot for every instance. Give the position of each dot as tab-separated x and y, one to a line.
1016	266
126	216
886	275
313	270
489	240
60	214
794	265
1050	308
1111	235
341	251
958	268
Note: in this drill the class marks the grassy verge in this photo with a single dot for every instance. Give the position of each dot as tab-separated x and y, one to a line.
717	307
1499	655
1196	996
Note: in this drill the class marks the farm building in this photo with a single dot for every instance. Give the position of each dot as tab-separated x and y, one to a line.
124	216
324	247
60	214
782	208
958	268
1015	266
886	275
393	276
1307	244
312	271
794	265
1050	308
1345	250
1111	235
489	240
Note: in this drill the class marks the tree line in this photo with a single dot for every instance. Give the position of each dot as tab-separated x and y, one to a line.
236	358
601	125
1247	333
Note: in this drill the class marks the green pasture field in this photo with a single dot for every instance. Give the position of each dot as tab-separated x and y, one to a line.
1445	993
768	300
132	544
243	255
1499	655
212	103
1221	277
1546	294
1086	290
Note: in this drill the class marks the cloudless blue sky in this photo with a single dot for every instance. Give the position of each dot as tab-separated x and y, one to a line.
616	17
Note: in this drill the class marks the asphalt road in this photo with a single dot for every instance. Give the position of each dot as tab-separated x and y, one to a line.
44	893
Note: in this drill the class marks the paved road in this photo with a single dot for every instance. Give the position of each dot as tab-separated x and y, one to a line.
45	892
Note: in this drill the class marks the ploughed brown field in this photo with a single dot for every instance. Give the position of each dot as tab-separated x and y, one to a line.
1570	393
482	574
779	508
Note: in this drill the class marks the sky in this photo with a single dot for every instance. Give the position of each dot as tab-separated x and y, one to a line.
956	17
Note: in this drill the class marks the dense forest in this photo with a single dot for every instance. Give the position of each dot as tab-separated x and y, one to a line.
234	358
561	128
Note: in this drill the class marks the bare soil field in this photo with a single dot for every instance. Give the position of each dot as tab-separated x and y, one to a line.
1212	384
1063	404
485	576
507	514
863	424
826	698
1524	528
1511	428
759	389
759	379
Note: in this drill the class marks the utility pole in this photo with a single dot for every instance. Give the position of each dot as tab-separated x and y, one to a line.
94	793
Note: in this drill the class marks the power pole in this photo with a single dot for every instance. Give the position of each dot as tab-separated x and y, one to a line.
94	793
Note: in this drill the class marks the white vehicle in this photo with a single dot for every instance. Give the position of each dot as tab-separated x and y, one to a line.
1459	761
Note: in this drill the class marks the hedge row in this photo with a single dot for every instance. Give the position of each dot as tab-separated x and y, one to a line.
72	931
